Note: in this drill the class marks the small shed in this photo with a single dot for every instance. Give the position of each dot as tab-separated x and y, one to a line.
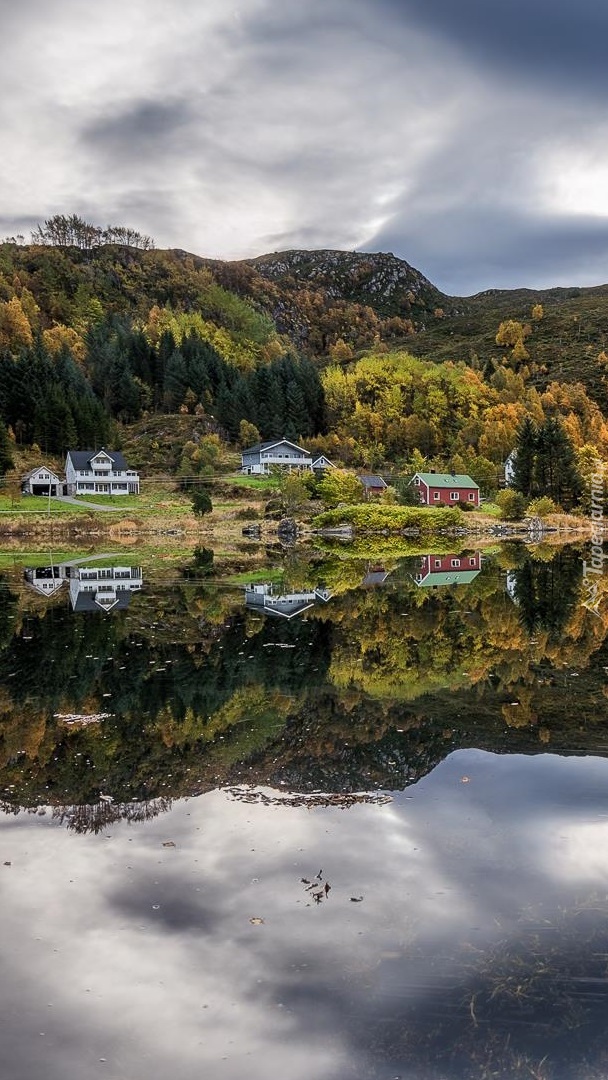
372	485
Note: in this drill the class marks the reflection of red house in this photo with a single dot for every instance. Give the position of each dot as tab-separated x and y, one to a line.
446	489
448	569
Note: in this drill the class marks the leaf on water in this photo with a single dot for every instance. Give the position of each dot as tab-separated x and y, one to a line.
169	843
256	921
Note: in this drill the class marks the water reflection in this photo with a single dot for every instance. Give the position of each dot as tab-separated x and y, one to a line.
92	588
454	569
463	934
240	843
263	598
368	692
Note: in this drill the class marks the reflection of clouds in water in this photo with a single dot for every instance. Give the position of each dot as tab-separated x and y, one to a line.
149	959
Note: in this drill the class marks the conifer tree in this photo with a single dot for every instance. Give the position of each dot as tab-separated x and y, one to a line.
525	457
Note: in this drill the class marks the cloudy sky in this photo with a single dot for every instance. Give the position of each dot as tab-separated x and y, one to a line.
125	958
469	138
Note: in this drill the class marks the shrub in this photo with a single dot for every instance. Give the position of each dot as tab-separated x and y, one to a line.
511	503
541	507
201	503
376	518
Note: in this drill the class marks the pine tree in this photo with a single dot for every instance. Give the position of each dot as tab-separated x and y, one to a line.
556	473
525	457
6	457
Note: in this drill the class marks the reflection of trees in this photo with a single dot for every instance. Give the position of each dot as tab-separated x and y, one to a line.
96	816
547	592
365	694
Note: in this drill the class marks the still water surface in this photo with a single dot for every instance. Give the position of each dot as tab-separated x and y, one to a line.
341	819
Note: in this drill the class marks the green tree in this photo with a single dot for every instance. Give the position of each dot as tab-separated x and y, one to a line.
524	463
6	455
556	472
338	487
201	503
512	504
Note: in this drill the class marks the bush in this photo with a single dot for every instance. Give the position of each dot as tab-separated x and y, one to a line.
511	503
376	518
541	507
201	503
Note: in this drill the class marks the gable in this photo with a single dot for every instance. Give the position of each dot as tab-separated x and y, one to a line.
83	460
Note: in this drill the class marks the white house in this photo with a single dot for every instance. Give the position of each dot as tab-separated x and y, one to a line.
510	468
42	481
101	472
257	460
322	463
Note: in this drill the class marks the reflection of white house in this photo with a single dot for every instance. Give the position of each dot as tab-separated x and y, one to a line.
262	598
259	459
101	472
450	569
103	588
511	585
40	480
46	580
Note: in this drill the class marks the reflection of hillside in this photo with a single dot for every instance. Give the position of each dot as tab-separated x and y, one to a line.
365	693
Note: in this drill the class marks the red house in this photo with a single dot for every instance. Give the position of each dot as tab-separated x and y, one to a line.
446	489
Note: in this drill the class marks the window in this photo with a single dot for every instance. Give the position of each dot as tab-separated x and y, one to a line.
472	562
471	496
436	496
437	564
455	496
417	481
455	563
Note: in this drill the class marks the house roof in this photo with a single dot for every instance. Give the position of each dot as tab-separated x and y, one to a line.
323	457
446	480
274	442
81	459
38	469
373	481
447	577
85	601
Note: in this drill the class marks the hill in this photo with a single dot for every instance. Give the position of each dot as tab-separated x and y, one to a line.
292	343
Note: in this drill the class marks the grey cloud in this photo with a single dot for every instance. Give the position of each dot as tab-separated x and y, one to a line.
339	123
465	250
147	128
560	41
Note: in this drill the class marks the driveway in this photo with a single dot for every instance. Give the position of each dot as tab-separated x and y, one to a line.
88	505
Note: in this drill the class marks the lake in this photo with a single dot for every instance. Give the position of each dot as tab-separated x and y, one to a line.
303	813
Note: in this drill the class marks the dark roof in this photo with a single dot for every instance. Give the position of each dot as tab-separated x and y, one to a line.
373	481
272	442
85	601
81	459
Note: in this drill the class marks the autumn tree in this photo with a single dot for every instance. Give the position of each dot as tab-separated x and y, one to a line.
338	487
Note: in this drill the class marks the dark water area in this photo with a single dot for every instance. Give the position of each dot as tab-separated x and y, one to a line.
339	817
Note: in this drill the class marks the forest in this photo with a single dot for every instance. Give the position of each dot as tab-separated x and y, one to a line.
99	330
